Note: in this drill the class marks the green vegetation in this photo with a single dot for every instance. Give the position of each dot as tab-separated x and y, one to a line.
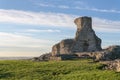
54	70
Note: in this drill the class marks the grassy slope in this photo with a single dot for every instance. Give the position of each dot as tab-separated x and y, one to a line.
62	70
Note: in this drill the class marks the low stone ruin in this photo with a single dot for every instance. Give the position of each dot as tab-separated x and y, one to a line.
43	57
112	65
110	53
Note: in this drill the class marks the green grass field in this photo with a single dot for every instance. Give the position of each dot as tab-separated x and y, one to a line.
54	70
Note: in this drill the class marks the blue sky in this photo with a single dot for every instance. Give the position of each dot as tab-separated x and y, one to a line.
31	27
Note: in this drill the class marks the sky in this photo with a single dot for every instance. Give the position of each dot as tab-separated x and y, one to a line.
32	27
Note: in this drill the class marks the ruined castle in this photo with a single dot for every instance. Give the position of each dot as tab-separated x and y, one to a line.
84	41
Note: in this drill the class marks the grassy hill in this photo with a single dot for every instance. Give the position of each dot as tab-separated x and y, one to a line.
83	69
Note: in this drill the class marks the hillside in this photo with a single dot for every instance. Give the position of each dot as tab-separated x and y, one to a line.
83	69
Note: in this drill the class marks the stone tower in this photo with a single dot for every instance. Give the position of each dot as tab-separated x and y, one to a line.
84	41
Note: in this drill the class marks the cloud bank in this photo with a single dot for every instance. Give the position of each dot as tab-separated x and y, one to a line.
54	20
19	45
13	40
36	18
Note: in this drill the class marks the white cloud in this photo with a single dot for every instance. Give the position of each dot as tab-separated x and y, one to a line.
47	30
36	18
85	6
18	45
45	4
54	20
13	40
52	5
63	7
81	6
104	25
107	30
97	10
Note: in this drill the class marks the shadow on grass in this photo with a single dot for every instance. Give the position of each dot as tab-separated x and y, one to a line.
4	64
5	75
101	67
53	72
